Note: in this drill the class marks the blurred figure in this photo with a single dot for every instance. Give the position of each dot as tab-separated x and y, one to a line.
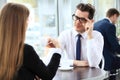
111	46
83	45
19	61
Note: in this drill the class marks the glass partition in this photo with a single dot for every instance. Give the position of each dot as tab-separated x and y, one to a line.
102	6
2	2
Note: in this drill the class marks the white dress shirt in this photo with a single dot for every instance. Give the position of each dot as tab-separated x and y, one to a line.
91	50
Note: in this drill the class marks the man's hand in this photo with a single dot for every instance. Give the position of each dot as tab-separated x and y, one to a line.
53	43
80	63
89	28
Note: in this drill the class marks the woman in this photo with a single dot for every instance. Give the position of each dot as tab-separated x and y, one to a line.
19	61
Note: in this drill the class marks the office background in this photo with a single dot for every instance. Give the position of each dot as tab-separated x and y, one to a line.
50	17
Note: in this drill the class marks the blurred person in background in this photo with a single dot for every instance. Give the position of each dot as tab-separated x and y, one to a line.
111	45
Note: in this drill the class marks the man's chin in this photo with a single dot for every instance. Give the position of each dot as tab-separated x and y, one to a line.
80	30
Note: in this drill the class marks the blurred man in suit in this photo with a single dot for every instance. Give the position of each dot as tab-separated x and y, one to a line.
111	46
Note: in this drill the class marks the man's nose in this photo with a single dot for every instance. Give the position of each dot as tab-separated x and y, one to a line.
78	21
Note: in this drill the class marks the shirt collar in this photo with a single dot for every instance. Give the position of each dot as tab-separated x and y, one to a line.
108	19
75	33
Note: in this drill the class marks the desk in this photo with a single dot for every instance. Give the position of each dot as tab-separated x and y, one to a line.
81	73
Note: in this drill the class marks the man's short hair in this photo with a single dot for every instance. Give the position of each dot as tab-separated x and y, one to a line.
88	8
111	12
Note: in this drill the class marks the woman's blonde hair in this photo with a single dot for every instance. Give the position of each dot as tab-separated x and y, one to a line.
13	23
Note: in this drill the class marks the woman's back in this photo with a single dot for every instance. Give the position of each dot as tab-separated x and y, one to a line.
32	66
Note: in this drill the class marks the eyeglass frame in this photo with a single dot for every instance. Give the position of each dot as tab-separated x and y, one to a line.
81	19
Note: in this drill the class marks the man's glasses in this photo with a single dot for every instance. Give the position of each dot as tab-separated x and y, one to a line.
81	19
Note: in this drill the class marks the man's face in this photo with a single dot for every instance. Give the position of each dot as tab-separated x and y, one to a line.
80	20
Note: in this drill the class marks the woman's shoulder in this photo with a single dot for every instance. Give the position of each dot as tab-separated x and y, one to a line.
28	49
27	45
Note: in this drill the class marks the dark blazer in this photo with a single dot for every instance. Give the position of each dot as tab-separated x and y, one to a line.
111	45
33	65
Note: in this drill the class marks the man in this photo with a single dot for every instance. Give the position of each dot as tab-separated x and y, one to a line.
88	51
111	46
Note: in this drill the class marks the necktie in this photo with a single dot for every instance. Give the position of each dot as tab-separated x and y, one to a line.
78	47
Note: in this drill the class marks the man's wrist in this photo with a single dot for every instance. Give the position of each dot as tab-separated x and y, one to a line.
75	63
80	63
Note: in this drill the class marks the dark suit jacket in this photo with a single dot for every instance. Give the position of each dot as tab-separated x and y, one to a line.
111	45
33	65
